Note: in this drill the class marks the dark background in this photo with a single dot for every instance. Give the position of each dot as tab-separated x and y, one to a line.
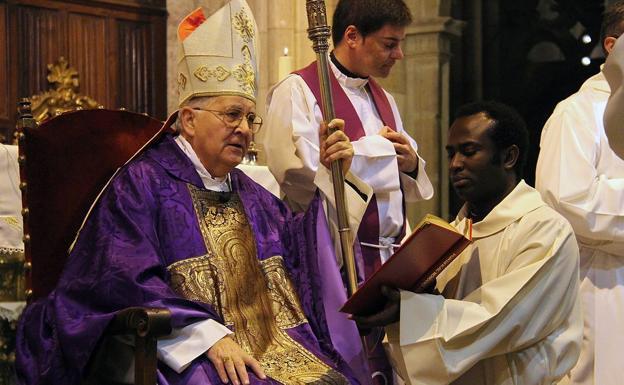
527	54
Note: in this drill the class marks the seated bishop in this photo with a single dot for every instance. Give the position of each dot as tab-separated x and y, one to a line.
180	227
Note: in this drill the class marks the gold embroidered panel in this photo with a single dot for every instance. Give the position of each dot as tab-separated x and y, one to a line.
244	26
255	298
12	279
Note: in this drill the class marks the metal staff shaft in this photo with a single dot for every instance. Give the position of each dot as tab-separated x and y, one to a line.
318	32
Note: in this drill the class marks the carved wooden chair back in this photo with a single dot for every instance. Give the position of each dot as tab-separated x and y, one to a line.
64	164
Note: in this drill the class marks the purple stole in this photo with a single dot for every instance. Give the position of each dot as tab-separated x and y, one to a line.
369	226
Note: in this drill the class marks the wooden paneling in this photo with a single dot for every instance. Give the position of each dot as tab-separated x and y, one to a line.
4	63
90	59
42	39
156	4
118	48
134	66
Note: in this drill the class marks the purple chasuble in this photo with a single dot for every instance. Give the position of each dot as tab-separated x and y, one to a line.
143	223
368	230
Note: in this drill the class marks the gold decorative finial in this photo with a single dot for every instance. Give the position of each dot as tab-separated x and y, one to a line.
64	97
318	30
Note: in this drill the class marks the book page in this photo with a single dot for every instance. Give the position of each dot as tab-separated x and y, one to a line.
435	220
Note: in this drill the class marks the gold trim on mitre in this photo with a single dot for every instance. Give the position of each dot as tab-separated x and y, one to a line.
218	53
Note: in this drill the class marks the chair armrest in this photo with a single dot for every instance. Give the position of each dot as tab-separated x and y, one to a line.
146	324
141	321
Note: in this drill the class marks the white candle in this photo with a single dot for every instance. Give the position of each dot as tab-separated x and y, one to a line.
284	65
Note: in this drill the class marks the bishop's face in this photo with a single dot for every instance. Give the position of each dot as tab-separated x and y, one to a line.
219	132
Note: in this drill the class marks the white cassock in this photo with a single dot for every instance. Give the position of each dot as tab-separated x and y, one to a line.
510	314
292	145
581	177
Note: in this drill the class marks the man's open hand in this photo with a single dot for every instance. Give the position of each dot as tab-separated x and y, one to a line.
231	362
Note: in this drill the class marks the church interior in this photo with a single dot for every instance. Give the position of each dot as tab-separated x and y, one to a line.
63	55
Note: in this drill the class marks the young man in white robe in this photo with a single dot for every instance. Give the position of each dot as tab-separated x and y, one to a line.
580	176
506	310
367	36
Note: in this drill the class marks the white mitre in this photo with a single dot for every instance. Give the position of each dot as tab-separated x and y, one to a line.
217	54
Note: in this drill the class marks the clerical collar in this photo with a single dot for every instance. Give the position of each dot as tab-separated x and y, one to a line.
343	69
347	81
210	182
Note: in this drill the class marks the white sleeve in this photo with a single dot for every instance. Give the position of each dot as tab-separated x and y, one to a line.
567	178
438	339
292	157
357	196
182	346
417	189
413	189
291	141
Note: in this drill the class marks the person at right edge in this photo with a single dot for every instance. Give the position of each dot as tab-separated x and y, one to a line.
506	310
367	37
580	176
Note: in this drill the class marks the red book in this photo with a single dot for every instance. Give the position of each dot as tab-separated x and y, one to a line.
414	266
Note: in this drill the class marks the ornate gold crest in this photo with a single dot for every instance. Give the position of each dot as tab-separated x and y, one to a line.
244	73
243	25
64	97
182	81
204	73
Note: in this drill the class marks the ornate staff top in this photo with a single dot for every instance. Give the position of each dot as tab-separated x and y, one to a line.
318	30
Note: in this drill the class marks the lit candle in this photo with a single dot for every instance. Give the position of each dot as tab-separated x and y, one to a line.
284	65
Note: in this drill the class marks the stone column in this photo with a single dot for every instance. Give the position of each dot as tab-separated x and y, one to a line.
424	94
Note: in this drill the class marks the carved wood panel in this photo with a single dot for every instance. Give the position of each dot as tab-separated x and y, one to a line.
41	34
118	49
134	71
4	63
88	58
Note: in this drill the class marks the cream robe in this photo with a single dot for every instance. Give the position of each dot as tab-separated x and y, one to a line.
581	177
510	312
291	141
11	228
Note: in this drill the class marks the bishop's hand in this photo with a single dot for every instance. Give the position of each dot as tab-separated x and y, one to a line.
231	362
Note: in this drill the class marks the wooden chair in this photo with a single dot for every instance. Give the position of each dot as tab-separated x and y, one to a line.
64	164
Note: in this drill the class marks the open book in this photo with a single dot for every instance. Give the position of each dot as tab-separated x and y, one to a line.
414	266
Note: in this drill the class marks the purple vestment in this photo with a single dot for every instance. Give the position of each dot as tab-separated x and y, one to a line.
143	222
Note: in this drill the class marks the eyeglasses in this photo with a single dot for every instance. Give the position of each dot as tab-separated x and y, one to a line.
234	117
